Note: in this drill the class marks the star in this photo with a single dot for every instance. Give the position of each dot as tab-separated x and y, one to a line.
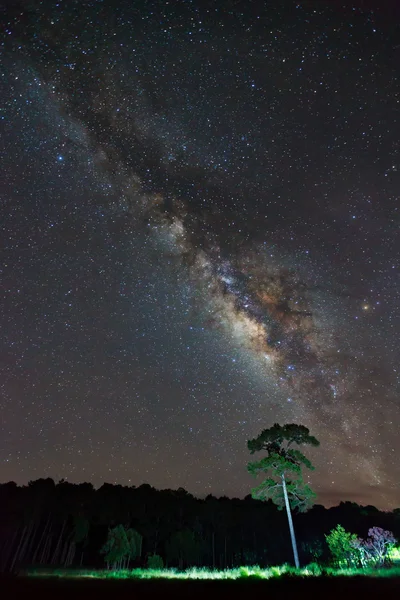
196	232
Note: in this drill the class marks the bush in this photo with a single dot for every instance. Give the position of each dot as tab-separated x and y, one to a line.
376	549
342	546
155	561
314	569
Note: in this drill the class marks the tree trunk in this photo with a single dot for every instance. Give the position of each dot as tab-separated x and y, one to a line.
58	545
42	537
65	551
27	542
71	554
213	548
291	528
33	536
49	543
43	557
226	565
8	551
18	550
155	541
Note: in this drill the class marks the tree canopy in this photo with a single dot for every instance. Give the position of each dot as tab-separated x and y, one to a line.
283	460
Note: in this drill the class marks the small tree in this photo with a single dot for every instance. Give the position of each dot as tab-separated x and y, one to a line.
155	561
382	542
343	546
285	485
135	544
376	548
116	548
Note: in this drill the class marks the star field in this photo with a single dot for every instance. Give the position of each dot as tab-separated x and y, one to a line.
199	237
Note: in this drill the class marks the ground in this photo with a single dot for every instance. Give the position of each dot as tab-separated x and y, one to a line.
327	588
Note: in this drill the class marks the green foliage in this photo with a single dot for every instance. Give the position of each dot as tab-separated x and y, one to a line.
314	569
250	573
122	545
282	460
155	561
135	543
272	440
116	547
342	547
394	555
300	494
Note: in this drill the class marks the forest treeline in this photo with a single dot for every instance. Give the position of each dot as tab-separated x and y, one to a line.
66	525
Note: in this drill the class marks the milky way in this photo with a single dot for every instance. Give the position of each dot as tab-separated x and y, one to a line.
251	162
264	307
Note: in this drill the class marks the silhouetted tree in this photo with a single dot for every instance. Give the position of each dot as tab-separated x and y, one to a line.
135	544
183	548
66	524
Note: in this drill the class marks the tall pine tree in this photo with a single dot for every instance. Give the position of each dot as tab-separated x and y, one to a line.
283	465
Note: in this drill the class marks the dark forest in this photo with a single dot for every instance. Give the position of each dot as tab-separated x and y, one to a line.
66	525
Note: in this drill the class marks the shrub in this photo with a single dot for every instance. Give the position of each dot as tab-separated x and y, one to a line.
314	569
342	546
155	561
375	550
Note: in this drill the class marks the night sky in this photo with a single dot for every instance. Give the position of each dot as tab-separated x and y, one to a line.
199	236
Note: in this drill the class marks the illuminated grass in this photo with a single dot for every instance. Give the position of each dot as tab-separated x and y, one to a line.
254	572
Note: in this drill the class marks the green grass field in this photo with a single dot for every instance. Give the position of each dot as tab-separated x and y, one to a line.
254	572
243	583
